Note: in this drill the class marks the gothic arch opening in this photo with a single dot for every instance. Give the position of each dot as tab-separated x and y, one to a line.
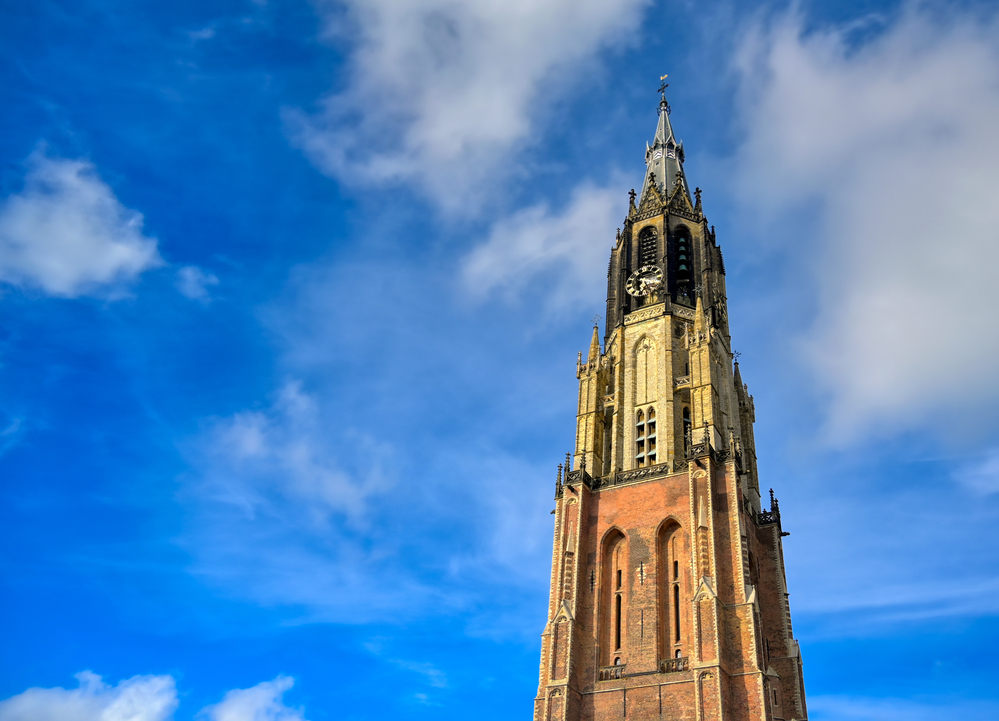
683	260
648	246
670	551
613	601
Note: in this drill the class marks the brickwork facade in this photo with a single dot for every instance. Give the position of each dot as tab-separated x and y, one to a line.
668	594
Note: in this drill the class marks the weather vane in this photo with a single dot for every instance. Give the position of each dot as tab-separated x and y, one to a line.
663	105
596	319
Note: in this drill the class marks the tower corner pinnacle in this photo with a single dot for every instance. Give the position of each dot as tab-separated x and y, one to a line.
594	354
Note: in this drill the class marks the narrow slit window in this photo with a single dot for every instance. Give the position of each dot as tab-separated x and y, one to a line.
676	610
617	622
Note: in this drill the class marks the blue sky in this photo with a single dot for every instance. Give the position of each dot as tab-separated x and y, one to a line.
291	299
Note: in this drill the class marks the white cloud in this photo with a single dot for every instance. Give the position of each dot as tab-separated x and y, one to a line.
67	234
442	93
892	137
259	703
140	698
193	282
278	519
570	247
284	450
145	698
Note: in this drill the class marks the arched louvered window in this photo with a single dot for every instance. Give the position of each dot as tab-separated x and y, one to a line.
686	430
640	439
650	437
684	259
648	246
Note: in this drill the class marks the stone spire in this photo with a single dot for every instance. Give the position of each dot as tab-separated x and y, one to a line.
594	354
664	158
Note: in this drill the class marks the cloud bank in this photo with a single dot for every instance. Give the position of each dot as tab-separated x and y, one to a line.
892	139
442	93
140	698
67	235
145	698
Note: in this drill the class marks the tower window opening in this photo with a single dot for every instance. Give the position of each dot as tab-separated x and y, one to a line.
612	596
608	437
683	264
676	570
678	653
650	436
676	610
640	439
647	246
686	430
617	622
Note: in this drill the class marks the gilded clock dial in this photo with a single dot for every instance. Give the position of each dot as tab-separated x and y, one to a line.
645	280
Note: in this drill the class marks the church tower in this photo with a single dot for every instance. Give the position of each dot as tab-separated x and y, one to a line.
668	594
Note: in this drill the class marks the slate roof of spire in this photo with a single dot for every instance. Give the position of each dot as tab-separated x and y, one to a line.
664	158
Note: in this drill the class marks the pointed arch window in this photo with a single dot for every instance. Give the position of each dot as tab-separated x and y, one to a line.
640	439
686	430
683	260
614	637
670	548
648	246
650	437
645	437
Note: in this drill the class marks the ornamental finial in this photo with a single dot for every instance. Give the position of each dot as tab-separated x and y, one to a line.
663	105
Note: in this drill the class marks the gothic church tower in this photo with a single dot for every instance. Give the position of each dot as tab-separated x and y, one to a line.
668	595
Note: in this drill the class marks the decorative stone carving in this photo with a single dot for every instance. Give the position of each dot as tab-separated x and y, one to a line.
653	311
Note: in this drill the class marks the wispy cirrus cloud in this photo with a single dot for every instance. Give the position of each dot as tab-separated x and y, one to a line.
278	518
443	93
67	234
193	283
891	137
568	247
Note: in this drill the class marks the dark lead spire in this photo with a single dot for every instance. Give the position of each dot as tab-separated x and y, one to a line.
664	158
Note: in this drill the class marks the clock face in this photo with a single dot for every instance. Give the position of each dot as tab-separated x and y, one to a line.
645	280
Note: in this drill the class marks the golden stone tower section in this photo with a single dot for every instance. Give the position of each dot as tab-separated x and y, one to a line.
668	593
